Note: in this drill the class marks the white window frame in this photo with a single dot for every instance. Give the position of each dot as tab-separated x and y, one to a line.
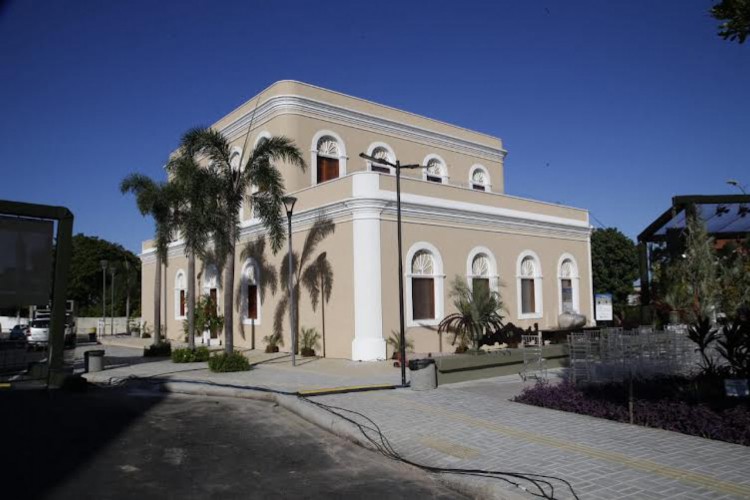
180	274
439	279
314	154
493	275
216	282
487	181
392	156
574	280
443	168
244	282
538	283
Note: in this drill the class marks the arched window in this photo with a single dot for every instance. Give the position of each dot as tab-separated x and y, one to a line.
384	152
479	179
568	284
480	274
529	277
180	295
250	293
424	285
436	170
235	157
211	284
328	157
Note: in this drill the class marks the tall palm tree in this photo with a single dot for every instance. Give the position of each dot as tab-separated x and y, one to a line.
196	216
159	200
321	228
233	181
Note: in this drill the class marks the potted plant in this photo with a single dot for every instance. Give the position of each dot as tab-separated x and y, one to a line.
273	342
395	342
310	340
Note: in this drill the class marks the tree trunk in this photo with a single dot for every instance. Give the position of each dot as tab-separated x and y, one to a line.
157	301
191	300
229	302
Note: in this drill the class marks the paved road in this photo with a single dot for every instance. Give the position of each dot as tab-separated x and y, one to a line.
111	444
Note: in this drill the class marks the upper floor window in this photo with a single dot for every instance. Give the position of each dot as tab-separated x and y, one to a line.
381	153
328	157
479	178
435	170
529	286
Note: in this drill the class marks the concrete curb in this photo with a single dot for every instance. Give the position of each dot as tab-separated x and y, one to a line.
466	485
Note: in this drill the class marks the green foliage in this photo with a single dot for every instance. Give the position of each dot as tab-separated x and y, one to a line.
395	342
478	314
614	262
160	350
187	355
228	362
734	277
274	340
734	347
310	339
735	17
85	278
206	316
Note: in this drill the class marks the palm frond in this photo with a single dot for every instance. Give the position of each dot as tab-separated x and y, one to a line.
322	228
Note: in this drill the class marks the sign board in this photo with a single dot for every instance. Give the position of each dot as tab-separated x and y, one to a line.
603	306
25	261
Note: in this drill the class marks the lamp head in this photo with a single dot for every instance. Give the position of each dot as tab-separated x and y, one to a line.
104	264
289	202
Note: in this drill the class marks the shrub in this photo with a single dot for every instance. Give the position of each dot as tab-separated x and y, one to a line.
228	362
187	355
273	342
310	340
160	350
731	424
395	342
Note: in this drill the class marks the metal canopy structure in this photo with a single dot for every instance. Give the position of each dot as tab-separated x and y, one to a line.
726	217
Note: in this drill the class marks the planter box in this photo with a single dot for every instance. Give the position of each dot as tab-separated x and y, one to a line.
463	367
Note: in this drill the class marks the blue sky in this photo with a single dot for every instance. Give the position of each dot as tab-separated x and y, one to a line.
610	106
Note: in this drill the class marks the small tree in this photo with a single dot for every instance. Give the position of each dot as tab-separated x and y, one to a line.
478	314
614	264
735	17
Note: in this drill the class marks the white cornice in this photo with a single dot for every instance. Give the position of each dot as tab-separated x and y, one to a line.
294	104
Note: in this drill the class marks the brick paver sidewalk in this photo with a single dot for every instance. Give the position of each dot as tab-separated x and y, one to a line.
473	425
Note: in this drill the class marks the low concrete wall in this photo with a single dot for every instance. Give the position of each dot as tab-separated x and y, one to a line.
87	324
463	367
8	322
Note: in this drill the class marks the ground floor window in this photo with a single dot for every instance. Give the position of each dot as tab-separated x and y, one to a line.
252	301
423	298
566	287
528	296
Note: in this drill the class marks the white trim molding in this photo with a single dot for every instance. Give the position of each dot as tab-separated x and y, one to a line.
436	160
487	182
439	279
574	278
492	273
538	284
250	274
341	156
391	155
180	285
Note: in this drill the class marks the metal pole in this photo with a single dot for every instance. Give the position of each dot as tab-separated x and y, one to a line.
291	293
402	332
112	304
104	299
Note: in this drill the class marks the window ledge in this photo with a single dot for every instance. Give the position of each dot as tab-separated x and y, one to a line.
423	322
530	316
246	321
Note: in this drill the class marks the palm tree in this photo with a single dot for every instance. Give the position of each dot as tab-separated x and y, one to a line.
321	228
478	314
318	279
159	200
233	181
197	211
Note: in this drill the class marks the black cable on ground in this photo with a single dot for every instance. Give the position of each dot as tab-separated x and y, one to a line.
538	485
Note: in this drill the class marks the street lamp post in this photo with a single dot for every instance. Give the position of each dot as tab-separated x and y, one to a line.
104	264
402	332
112	301
289	202
736	183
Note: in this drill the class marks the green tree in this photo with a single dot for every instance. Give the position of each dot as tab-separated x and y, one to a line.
478	314
85	278
735	19
159	200
614	262
196	215
234	177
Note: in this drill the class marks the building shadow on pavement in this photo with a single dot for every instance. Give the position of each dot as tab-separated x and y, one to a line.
49	435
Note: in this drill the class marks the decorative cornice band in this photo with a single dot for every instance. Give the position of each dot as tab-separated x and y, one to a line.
292	104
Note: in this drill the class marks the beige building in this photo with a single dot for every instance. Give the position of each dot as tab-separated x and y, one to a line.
457	221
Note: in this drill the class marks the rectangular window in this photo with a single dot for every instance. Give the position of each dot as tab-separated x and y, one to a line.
434	178
423	298
380	168
212	295
328	168
566	286
252	301
477	187
182	302
528	296
480	286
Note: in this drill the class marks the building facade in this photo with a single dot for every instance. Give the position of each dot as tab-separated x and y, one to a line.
457	221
